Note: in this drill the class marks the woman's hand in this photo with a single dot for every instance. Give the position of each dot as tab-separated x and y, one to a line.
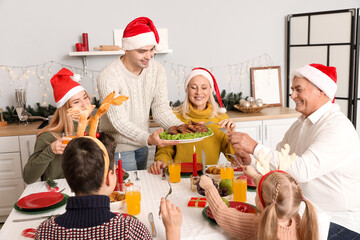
228	124
58	147
156	167
172	219
154	139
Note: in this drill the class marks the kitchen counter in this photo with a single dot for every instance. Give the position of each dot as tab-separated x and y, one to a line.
16	129
236	116
265	114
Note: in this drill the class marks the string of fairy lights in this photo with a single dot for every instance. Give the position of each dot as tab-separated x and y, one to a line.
236	74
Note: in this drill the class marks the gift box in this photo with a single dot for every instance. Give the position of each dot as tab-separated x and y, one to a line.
197	202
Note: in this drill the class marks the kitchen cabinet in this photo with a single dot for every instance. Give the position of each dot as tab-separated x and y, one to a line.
266	132
14	153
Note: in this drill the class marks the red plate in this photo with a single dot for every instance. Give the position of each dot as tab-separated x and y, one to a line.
187	167
40	200
240	206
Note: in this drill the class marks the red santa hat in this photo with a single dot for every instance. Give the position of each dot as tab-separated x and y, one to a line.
140	32
321	76
205	73
64	87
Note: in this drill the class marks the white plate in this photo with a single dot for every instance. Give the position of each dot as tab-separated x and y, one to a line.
190	140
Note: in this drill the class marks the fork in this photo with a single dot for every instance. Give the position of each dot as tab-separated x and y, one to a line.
170	191
137	178
221	129
234	157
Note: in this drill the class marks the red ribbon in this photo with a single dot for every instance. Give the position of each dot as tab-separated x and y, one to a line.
29	232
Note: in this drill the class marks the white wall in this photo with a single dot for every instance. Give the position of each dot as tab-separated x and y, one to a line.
201	33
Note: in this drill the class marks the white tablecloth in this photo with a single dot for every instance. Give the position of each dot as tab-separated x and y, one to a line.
194	226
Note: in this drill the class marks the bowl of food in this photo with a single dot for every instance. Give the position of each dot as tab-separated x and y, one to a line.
117	200
214	173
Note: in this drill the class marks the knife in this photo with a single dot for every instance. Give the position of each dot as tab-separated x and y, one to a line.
30	219
203	161
163	177
151	220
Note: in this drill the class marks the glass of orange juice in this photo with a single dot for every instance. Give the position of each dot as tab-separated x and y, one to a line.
67	134
133	199
239	186
175	171
226	171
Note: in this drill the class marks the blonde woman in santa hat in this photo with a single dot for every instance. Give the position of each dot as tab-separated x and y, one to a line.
143	80
45	162
199	106
327	149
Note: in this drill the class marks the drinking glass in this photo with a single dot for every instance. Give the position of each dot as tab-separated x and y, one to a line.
70	135
133	199
226	171
175	171
239	186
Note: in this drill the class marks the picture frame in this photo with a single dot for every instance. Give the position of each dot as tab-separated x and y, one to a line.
266	85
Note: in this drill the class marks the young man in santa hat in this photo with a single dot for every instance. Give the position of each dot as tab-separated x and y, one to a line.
143	80
327	149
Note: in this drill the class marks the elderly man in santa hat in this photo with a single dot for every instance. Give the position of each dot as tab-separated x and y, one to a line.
327	150
143	80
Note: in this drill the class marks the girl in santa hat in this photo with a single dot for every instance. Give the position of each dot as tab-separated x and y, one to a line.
199	106
45	162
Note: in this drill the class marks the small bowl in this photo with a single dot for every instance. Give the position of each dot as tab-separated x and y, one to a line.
115	206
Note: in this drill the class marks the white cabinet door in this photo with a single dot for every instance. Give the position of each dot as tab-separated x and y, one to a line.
9	144
253	128
27	143
274	130
10	191
10	166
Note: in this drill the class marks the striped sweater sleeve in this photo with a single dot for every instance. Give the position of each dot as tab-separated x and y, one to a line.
238	224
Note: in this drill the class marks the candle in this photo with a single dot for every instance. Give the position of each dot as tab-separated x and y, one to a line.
85	41
78	47
194	163
120	175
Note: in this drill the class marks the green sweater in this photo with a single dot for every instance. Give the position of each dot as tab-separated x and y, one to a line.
212	146
43	160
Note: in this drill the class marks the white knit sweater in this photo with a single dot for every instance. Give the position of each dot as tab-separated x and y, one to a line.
129	122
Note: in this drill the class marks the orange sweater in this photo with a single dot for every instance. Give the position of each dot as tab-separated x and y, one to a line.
242	225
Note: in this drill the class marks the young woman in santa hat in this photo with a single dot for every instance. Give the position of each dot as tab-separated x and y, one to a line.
199	106
45	162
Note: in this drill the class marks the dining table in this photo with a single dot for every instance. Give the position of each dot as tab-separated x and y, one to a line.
153	188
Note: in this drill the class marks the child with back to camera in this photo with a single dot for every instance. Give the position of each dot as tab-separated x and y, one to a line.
89	168
278	201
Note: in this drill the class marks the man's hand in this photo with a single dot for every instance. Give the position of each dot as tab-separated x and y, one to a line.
243	157
58	147
172	219
156	167
242	141
154	139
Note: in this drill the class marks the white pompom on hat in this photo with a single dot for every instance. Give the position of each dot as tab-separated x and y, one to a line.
208	75
140	32
322	76
64	87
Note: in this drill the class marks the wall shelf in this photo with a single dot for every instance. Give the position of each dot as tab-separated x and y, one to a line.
83	55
